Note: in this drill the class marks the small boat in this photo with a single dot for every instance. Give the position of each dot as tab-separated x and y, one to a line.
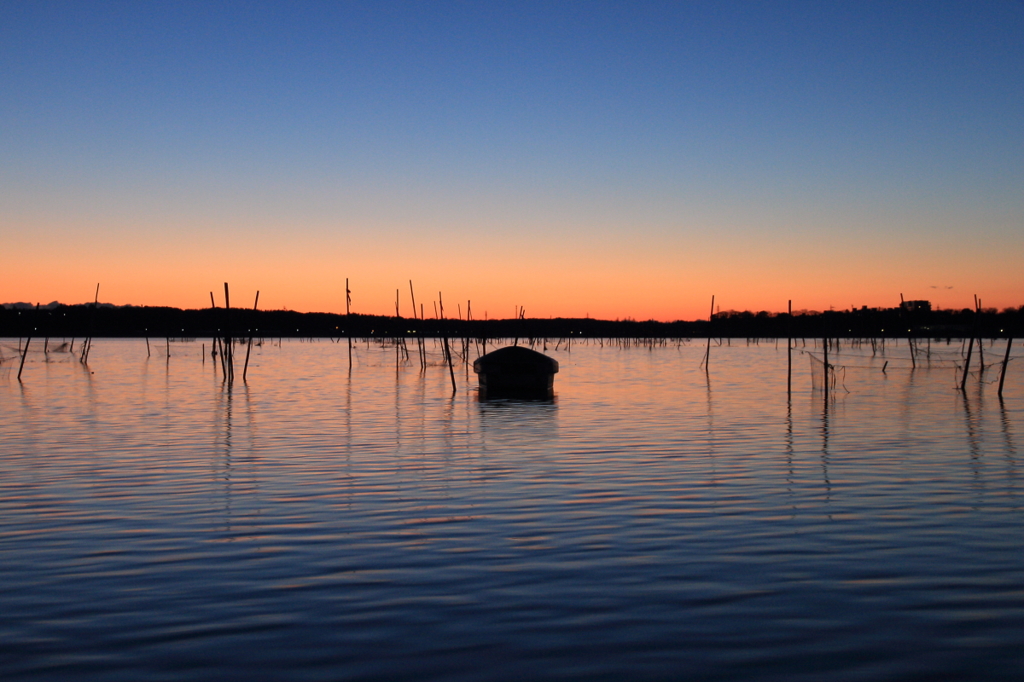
515	371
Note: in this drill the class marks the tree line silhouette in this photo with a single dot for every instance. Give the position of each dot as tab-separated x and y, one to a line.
103	320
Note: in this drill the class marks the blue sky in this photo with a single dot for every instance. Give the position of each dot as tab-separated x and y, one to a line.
677	148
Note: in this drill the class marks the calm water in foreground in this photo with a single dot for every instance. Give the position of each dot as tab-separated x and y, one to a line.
649	523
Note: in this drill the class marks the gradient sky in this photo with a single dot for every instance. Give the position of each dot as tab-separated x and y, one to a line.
624	159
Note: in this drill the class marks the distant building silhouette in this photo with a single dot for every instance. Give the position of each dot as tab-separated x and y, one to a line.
917	306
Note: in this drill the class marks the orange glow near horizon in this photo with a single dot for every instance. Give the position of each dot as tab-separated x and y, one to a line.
569	277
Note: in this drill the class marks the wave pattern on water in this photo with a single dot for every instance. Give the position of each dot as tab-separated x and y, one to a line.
650	522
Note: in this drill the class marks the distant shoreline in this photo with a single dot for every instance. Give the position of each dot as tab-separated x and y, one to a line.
159	322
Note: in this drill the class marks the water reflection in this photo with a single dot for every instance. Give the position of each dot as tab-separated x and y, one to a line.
526	422
824	447
710	430
639	517
972	427
1010	450
222	444
483	398
1004	421
908	392
346	480
789	443
517	408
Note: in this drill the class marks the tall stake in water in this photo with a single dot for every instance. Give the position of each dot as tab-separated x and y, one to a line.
967	365
711	316
824	346
87	345
1002	372
970	346
348	311
24	352
910	344
248	349
789	352
214	341
419	335
981	345
447	349
465	341
228	348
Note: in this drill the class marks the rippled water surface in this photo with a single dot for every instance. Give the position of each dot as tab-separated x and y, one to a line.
652	522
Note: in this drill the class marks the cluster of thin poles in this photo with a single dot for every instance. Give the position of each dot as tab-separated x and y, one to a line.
223	345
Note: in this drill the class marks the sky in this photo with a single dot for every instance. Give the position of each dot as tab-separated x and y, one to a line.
604	159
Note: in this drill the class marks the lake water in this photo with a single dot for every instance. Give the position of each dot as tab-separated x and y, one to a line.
651	522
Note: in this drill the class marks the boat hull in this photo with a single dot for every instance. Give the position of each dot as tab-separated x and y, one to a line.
517	372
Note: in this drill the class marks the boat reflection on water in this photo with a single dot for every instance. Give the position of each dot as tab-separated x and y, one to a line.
507	401
526	426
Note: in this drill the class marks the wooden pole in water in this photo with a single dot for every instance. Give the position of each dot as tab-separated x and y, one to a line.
213	339
824	346
228	350
981	346
423	318
248	349
904	313
419	333
87	345
970	344
967	365
447	350
348	321
789	352
1002	372
707	352
24	352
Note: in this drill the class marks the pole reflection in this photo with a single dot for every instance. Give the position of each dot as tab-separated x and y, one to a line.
973	427
825	416
222	447
710	436
789	444
1011	451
